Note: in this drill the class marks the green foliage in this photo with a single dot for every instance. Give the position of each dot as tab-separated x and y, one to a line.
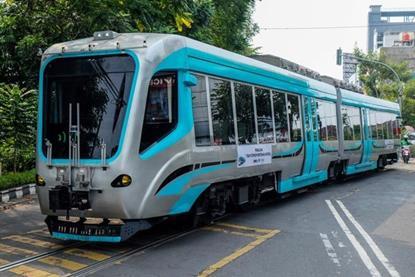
18	125
29	25
232	27
11	180
379	81
408	105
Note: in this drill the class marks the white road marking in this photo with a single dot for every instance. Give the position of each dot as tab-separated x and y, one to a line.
341	244
330	249
379	254
360	250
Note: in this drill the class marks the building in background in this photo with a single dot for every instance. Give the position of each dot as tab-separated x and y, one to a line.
390	28
392	33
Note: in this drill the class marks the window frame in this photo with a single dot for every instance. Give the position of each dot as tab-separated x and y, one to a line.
284	94
269	91
383	133
300	112
204	79
211	118
234	111
325	118
359	110
175	110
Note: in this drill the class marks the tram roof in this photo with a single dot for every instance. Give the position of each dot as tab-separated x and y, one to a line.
169	43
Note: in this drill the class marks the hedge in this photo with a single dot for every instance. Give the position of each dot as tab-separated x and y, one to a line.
11	180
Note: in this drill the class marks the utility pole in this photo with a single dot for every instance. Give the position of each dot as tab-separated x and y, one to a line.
339	58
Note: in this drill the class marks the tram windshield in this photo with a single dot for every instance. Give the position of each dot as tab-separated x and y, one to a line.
101	85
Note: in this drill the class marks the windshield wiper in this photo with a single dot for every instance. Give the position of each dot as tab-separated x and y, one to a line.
109	83
120	103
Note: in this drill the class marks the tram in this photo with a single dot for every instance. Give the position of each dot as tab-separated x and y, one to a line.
135	128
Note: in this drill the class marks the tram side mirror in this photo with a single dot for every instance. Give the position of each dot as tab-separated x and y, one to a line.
190	80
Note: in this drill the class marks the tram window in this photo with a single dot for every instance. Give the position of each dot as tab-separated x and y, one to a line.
294	117
321	118
372	123
397	128
347	123
322	125
264	115
327	120
379	125
331	122
377	133
383	124
390	126
332	126
355	119
394	126
201	112
245	115
222	112
280	116
160	116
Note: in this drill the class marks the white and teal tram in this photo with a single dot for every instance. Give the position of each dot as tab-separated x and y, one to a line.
140	127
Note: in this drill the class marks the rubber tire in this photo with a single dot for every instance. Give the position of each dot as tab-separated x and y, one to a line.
406	159
381	163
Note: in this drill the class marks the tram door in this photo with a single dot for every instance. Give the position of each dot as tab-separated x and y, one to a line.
311	137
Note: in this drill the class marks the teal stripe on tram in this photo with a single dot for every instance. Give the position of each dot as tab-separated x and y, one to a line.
186	201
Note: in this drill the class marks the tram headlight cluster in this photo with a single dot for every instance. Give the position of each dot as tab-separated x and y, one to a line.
40	181
123	180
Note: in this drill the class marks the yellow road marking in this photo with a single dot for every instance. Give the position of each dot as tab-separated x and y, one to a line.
28	271
238	253
246	228
3	262
35	242
64	263
15	250
39	231
92	255
215	229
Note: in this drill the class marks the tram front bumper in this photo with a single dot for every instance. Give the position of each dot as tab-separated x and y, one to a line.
94	232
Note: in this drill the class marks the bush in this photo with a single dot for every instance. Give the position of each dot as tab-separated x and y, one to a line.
11	180
18	127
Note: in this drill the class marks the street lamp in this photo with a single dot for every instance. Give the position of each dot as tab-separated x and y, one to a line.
340	56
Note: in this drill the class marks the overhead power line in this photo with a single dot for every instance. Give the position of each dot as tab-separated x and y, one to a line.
410	24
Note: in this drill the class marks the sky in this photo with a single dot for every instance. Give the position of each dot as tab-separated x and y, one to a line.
315	49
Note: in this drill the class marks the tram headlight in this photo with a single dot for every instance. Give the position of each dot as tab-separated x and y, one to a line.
123	180
40	181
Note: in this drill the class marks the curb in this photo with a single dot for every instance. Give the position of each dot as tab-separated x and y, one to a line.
18	192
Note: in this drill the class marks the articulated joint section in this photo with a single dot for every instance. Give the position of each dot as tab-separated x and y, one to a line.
98	232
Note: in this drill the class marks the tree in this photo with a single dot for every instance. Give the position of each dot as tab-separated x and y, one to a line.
408	104
232	27
18	122
29	25
379	81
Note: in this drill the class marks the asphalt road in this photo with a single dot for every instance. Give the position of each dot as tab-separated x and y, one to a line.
364	226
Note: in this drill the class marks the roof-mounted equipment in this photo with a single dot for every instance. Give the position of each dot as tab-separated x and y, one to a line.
105	35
